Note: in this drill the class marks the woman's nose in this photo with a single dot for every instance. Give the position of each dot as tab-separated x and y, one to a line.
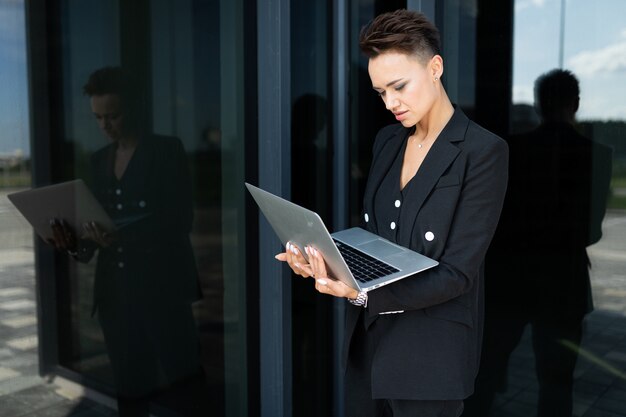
391	102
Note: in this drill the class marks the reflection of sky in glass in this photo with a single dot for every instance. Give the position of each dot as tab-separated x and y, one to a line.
594	49
14	131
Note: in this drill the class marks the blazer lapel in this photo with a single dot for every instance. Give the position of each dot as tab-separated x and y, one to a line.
382	163
441	155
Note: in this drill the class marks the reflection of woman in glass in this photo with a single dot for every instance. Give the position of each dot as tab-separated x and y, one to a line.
436	185
146	277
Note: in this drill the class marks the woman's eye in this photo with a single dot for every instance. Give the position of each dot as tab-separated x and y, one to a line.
400	87
381	94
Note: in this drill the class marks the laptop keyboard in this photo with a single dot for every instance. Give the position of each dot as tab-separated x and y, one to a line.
364	268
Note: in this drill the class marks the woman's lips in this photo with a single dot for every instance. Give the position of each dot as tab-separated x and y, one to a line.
400	115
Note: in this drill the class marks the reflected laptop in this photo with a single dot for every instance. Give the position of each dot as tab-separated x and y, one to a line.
360	259
71	201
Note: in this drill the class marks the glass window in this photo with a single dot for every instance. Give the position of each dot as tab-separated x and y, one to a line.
153	118
555	312
18	320
555	285
311	167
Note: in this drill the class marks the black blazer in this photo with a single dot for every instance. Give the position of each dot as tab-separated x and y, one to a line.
152	257
431	350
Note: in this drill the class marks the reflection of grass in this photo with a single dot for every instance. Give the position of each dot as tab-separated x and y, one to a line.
618	199
10	180
618	182
617	202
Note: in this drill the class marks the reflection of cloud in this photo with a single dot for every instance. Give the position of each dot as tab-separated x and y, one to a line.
524	4
11	18
611	58
600	108
523	94
12	32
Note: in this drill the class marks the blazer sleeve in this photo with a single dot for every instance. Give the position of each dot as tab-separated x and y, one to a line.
472	226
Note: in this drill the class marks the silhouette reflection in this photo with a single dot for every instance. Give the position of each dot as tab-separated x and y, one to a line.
146	277
537	270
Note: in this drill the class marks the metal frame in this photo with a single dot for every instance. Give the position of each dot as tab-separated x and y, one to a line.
274	158
341	164
39	96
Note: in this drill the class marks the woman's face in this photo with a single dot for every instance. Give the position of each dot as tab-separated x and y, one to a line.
407	86
109	114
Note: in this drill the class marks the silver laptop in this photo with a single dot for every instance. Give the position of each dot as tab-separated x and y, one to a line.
71	201
360	259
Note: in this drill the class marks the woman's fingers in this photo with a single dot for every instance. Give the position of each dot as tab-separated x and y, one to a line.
295	259
316	259
325	284
305	269
316	268
63	236
335	288
68	235
95	233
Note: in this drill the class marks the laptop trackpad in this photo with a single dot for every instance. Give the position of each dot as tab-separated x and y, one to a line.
379	248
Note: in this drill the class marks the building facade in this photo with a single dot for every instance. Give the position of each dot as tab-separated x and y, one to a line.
276	93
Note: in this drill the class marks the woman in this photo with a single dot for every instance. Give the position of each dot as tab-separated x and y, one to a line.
146	277
436	185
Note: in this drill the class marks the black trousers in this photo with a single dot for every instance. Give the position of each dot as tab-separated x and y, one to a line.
358	386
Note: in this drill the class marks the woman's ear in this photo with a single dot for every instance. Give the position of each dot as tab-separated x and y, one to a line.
435	67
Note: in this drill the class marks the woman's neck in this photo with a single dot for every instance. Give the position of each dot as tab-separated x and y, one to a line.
437	118
127	143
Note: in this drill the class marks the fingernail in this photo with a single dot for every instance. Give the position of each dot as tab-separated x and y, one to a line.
276	257
93	224
322	281
306	249
297	265
294	250
288	245
314	251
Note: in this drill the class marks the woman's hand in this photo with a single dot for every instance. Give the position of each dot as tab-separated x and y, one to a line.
94	232
324	283
63	237
295	259
316	268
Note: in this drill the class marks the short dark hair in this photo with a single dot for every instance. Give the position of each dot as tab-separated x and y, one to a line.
555	90
115	80
402	30
110	80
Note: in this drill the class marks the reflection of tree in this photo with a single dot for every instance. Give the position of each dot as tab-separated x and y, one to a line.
15	172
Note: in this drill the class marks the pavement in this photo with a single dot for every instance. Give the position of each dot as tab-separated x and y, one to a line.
600	387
